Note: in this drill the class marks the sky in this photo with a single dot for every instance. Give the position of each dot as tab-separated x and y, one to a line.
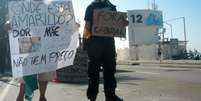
171	9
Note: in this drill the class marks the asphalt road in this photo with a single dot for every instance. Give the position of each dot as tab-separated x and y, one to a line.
135	83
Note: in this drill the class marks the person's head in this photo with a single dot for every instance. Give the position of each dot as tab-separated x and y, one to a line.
103	1
99	1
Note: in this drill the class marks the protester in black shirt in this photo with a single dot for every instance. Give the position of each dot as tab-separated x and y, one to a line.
101	52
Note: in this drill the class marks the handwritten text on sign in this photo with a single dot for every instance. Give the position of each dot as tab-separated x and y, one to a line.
109	23
43	36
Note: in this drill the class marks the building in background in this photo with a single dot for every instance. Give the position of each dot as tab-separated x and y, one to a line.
143	32
146	38
173	49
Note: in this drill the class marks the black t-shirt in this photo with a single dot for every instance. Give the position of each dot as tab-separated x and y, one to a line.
94	6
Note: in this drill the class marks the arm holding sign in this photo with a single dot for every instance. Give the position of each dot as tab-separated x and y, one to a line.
86	35
87	28
125	23
7	25
86	32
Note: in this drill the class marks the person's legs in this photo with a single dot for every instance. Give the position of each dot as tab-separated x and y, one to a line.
93	83
42	89
20	96
43	82
109	67
110	83
94	50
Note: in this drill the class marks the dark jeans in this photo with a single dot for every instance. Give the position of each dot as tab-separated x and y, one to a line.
101	52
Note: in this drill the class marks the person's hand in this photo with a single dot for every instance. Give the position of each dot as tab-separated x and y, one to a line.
7	26
85	44
125	23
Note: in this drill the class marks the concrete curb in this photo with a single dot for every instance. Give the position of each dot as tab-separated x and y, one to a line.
168	63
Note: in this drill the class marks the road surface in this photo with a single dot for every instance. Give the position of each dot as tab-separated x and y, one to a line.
135	83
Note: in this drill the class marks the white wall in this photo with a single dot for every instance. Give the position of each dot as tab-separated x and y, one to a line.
123	54
144	52
143	36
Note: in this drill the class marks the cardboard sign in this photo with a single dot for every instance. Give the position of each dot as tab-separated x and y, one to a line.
43	36
109	23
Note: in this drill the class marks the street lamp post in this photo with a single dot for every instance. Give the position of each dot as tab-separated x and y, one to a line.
185	40
170	25
184	27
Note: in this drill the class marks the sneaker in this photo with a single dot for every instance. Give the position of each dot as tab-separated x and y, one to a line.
116	98
20	99
92	98
42	99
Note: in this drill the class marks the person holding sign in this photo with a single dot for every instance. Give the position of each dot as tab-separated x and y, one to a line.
43	38
101	52
32	80
30	83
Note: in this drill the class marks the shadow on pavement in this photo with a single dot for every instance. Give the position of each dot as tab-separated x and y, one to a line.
120	78
129	83
175	70
123	71
127	78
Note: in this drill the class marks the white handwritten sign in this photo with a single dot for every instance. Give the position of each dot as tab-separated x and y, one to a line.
109	23
43	36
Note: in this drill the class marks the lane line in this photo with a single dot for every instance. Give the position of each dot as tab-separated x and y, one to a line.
5	90
147	73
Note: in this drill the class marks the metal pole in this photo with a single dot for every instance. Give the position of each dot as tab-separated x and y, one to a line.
154	5
163	35
171	31
184	22
170	25
185	32
173	19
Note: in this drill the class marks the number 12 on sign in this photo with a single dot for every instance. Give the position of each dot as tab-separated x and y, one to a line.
137	18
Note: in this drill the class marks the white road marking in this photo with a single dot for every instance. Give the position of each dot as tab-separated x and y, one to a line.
147	73
5	91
